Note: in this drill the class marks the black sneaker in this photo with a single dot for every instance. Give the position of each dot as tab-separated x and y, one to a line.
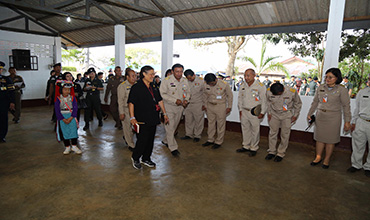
252	153
278	159
353	169
165	144
175	153
185	138
2	140
269	156
367	173
215	146
148	163
196	140
207	144
100	124
136	164
242	150
86	128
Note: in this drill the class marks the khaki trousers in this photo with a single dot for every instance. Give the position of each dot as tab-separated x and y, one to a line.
17	96
194	120
174	114
250	130
216	115
282	121
113	108
127	130
360	136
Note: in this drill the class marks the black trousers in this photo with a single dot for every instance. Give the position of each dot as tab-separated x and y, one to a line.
4	106
93	103
67	143
145	142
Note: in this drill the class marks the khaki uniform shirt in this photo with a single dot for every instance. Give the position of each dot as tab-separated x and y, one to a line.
123	91
251	96
362	108
219	94
112	85
171	90
196	89
335	99
18	79
288	101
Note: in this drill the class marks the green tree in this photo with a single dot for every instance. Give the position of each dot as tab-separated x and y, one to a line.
128	62
266	63
234	45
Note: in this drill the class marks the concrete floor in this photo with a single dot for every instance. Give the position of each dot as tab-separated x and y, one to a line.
38	182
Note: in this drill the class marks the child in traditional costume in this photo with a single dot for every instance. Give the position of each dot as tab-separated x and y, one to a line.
66	113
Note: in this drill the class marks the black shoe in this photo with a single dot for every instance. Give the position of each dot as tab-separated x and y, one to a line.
252	153
315	163
242	150
353	169
207	144
196	140
120	128
136	164
105	117
367	173
100	124
185	138
278	159
175	153
131	149
86	128
2	140
325	166
269	156
215	146
148	163
165	144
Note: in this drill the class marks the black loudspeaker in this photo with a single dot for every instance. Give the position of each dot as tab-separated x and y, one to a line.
22	59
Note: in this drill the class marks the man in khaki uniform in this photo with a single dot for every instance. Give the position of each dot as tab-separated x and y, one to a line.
123	91
284	106
219	100
194	114
113	83
175	93
19	85
251	94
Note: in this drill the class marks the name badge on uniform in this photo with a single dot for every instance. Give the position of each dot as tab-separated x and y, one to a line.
3	88
219	97
285	106
325	98
365	96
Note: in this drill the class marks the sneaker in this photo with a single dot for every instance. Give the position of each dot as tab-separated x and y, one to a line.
352	169
67	151
175	153
76	149
207	144
269	156
215	146
148	163
196	139
100	124
185	138
136	164
242	150
278	159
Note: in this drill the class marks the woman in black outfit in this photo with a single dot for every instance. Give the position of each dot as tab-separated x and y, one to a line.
144	104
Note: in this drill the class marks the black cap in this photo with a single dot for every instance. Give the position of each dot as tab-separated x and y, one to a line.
315	78
2	64
57	64
293	76
256	111
90	70
346	77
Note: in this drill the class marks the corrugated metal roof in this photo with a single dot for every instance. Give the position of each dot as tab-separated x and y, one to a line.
194	18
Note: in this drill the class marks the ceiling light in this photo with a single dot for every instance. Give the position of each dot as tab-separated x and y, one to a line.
68	19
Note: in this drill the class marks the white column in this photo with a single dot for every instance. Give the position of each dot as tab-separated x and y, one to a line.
335	23
119	45
167	44
57	50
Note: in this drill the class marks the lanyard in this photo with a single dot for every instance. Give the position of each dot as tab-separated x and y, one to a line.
151	92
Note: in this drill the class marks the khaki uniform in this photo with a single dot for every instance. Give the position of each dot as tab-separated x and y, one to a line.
123	91
18	96
282	108
218	98
361	134
329	104
171	90
194	115
249	97
112	86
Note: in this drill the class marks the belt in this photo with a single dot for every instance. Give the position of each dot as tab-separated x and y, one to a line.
324	110
365	119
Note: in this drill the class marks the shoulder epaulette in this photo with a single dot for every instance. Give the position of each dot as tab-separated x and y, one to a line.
292	90
201	78
268	89
342	85
167	78
123	82
261	84
224	81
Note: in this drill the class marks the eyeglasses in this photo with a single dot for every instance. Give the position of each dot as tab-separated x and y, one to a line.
330	77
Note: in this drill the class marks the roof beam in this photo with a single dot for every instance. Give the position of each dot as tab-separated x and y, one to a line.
70	10
27	32
123	4
53	11
64	4
10	19
71	41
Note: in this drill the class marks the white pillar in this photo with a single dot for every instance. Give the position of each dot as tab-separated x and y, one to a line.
119	45
57	50
335	23
167	44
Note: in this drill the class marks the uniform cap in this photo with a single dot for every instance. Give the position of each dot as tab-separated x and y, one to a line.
90	70
315	78
256	111
2	65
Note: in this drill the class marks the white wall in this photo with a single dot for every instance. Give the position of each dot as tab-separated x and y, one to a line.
40	46
301	123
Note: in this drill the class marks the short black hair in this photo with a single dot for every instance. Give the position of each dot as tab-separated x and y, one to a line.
210	77
309	77
276	88
12	67
337	73
189	72
167	72
57	64
145	69
78	75
64	77
177	65
51	72
127	71
100	73
346	77
315	78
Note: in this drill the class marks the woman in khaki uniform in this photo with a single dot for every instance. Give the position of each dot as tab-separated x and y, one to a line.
330	100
